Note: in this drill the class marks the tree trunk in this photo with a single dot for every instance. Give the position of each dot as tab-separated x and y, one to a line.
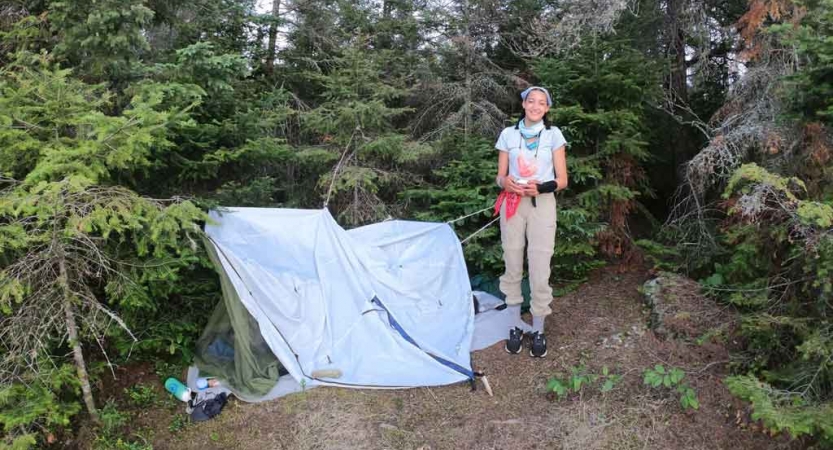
385	40
678	82
273	37
676	51
469	47
72	330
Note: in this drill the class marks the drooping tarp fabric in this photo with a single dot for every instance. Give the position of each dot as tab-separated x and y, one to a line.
385	305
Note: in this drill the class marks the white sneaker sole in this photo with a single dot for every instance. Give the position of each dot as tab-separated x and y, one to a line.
506	347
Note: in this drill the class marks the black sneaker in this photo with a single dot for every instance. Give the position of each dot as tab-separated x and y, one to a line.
513	344
538	349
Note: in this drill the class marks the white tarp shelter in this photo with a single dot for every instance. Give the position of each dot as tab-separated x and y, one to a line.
384	305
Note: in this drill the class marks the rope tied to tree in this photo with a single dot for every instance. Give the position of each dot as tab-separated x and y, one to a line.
478	231
470	215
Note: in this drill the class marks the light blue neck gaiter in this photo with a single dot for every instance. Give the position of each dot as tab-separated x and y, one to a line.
530	132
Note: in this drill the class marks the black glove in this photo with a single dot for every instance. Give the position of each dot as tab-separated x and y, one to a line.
546	187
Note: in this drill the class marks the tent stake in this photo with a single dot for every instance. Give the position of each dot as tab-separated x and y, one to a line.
482	376
487	386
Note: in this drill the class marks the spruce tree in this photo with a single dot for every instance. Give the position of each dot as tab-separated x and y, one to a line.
356	121
601	91
103	39
70	240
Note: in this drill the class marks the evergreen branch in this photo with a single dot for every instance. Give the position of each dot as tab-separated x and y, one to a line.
338	166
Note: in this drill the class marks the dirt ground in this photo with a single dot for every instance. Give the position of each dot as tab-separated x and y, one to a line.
603	323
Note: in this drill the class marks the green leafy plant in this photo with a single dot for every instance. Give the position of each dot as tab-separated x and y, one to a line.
165	369
609	380
141	395
119	443
688	397
580	379
40	403
560	387
178	423
659	377
112	419
109	436
573	384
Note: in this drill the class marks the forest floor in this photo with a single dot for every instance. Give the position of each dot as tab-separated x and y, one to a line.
602	323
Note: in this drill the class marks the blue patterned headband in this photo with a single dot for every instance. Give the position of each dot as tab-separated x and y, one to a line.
537	88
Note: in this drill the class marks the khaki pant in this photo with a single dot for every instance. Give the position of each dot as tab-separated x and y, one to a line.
537	226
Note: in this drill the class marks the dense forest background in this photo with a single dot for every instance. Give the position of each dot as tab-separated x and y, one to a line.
699	142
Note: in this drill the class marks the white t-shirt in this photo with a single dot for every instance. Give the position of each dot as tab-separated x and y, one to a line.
530	164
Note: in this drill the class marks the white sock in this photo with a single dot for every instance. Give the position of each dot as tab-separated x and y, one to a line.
515	312
538	324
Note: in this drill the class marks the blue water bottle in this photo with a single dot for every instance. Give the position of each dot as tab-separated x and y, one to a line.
178	389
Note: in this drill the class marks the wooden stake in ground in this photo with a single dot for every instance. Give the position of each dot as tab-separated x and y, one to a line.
487	386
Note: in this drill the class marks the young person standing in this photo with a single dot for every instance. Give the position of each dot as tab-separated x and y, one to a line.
532	166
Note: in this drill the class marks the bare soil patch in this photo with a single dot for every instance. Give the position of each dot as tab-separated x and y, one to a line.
603	323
